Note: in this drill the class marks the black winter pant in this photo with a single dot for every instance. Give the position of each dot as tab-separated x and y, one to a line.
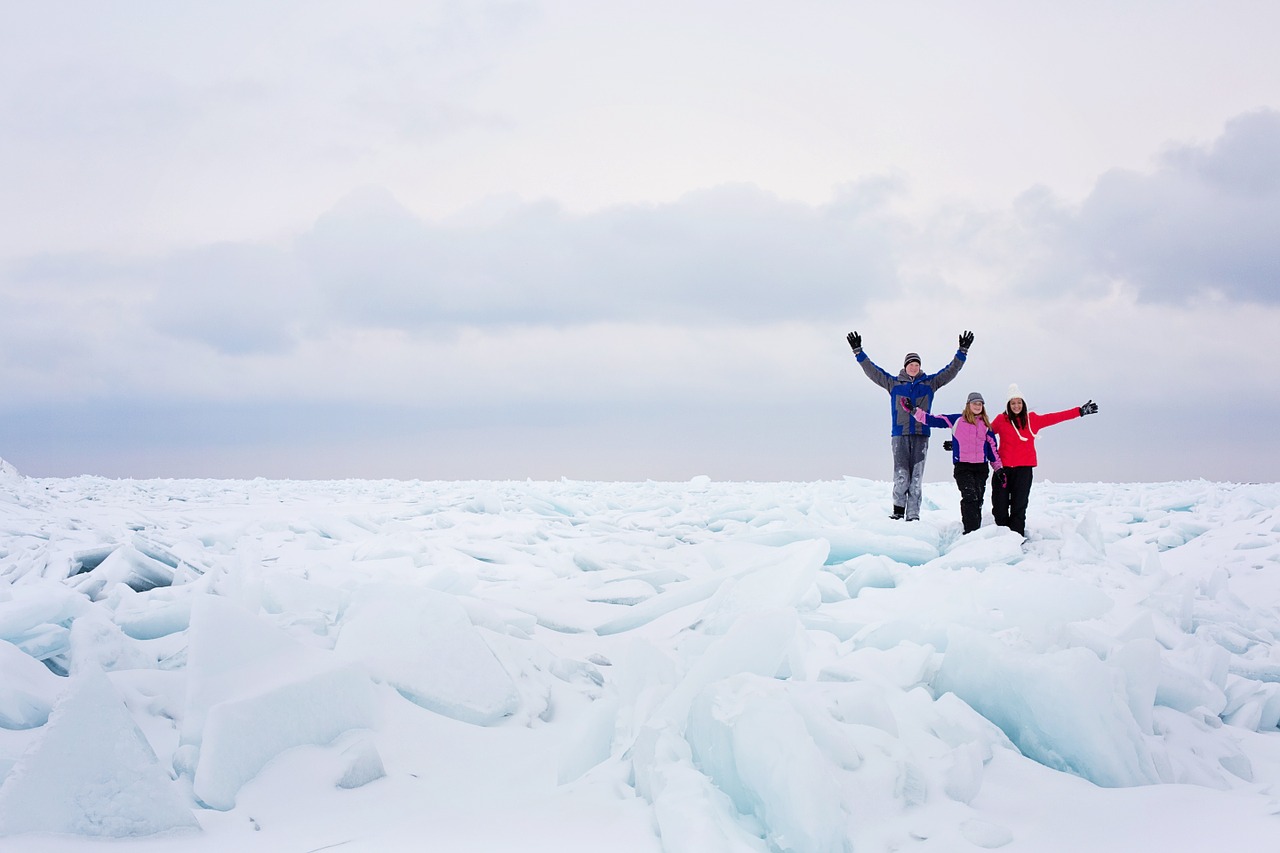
1009	504
971	477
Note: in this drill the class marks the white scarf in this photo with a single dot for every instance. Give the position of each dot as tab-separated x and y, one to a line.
1020	436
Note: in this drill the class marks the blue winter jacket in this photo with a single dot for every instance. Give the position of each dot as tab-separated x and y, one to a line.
919	390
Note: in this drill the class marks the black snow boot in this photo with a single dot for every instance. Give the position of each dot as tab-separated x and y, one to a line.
898	511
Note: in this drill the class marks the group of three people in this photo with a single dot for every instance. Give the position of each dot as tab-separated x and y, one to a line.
1007	444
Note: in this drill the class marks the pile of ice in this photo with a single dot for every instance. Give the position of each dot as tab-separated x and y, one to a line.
680	667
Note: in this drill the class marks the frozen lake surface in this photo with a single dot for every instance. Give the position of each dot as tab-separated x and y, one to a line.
578	666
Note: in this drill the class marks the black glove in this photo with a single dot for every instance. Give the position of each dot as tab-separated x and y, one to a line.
1001	478
855	341
907	406
1089	408
966	341
946	445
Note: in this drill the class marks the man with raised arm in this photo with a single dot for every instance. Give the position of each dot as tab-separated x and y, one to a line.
910	438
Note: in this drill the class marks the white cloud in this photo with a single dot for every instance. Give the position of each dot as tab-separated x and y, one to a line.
1202	224
731	254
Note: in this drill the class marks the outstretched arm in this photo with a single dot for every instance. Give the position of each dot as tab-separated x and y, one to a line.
875	373
927	419
1039	421
946	374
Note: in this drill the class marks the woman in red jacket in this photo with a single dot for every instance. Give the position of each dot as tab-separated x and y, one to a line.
1016	429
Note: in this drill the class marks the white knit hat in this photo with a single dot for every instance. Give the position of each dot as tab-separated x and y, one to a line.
1014	392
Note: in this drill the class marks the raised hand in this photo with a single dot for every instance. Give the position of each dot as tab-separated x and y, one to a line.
966	341
1088	408
855	341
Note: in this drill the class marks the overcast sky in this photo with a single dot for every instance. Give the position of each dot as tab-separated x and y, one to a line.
592	240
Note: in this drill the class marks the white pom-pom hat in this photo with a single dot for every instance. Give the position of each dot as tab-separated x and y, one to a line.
1014	393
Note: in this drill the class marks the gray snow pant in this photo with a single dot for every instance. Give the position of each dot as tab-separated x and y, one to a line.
908	472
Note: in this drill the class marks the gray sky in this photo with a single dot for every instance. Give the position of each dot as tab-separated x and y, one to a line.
625	240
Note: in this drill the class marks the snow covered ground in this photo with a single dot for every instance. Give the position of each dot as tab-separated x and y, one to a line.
573	666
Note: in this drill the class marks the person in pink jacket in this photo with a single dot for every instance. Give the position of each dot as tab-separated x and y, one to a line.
973	446
1016	430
